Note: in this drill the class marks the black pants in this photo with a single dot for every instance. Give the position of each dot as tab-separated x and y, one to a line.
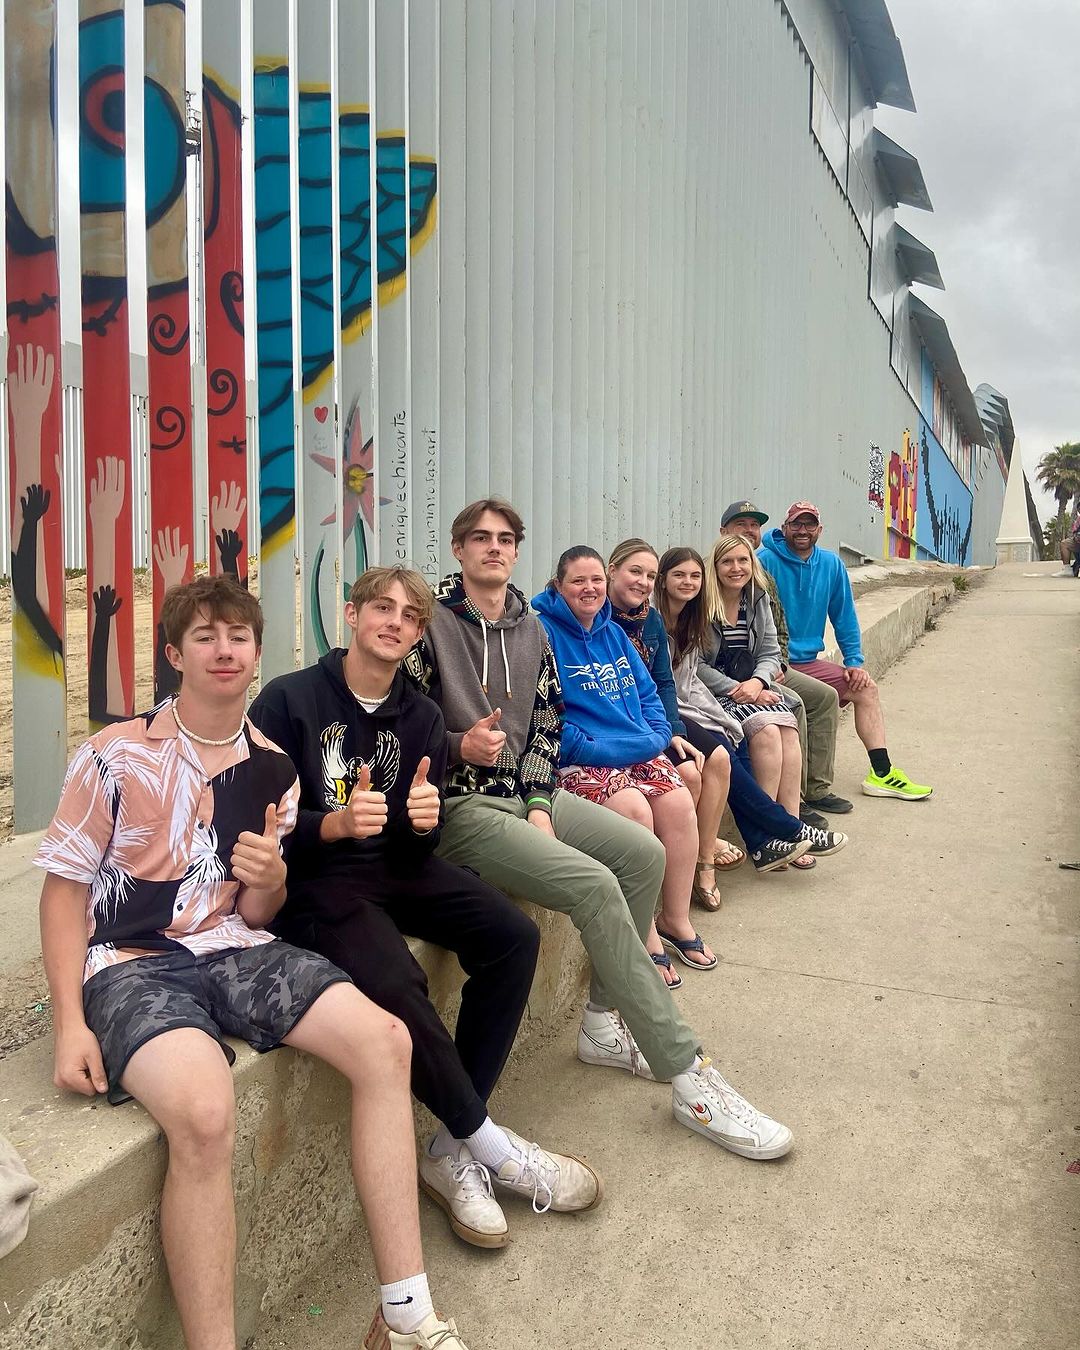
357	918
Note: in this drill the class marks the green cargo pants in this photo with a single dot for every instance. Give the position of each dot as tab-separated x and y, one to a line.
605	873
819	718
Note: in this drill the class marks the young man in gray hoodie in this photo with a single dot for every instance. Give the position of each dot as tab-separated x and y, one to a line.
486	661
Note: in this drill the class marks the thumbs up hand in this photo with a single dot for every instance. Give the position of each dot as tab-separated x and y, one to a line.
256	859
483	742
423	802
365	814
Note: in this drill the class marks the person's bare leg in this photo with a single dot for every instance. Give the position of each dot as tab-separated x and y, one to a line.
373	1050
869	718
766	759
632	806
675	825
789	790
183	1080
715	782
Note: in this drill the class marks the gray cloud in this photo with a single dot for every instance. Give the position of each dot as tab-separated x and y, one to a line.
998	106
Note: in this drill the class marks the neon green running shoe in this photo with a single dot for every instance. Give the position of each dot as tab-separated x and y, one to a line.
896	783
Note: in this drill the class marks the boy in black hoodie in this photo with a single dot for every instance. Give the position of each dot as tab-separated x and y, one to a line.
370	751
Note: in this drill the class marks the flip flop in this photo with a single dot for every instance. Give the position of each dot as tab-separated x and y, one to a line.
664	962
740	857
680	946
804	863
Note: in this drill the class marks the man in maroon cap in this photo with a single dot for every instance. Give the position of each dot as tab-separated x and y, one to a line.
814	586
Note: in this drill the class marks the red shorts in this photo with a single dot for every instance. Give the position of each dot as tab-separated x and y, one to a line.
828	672
651	779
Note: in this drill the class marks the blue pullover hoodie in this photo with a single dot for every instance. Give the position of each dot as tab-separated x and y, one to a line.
810	592
613	715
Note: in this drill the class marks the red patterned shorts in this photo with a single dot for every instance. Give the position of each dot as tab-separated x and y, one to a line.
651	779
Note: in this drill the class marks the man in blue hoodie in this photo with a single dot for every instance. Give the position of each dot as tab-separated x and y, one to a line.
814	585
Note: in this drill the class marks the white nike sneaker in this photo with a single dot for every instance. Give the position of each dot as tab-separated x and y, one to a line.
605	1038
555	1181
431	1334
462	1187
704	1101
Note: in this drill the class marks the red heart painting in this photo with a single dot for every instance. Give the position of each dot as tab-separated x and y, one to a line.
320	414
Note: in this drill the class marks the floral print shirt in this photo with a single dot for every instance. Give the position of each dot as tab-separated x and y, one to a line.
151	836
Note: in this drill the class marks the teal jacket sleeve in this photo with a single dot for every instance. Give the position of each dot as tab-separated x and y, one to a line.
843	618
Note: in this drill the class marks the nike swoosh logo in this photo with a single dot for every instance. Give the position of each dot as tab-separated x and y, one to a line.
403	1303
614	1047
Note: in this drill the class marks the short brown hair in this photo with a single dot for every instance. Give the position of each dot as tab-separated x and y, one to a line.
217	598
376	581
466	519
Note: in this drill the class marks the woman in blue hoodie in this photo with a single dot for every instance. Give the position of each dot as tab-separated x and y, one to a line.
614	734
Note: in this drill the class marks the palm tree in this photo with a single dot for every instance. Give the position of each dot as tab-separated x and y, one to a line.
1059	474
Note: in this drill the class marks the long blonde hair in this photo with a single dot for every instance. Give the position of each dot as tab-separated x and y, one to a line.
714	597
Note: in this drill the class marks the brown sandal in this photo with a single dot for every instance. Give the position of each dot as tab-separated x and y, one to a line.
707	899
737	861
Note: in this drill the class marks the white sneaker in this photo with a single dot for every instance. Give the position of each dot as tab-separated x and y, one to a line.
462	1187
555	1181
431	1334
605	1038
704	1101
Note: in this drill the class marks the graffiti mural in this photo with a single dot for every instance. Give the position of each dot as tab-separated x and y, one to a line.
395	228
110	600
903	486
226	403
172	501
945	520
34	417
875	490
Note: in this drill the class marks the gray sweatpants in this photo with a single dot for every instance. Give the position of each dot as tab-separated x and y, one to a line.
605	873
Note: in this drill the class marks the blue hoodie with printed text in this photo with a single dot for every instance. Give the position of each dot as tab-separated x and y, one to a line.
613	714
811	591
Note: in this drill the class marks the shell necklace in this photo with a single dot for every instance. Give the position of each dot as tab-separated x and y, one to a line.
204	740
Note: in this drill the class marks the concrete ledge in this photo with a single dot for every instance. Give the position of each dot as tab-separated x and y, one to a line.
90	1273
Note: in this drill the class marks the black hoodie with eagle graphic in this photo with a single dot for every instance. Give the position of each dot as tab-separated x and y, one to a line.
316	719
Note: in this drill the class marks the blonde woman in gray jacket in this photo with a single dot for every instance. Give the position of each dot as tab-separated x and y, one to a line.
739	663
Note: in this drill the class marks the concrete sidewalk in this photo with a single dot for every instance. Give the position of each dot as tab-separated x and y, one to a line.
909	1008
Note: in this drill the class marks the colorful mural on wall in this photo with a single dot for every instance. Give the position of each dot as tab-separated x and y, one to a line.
110	599
34	416
903	490
223	249
172	497
400	216
945	518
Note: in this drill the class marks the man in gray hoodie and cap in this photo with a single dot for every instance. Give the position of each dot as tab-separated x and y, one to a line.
486	661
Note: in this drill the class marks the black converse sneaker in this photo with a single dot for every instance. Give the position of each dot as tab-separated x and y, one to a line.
778	852
823	842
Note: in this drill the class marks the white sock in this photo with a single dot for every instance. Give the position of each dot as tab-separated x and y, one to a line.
596	1008
444	1145
690	1068
406	1303
491	1145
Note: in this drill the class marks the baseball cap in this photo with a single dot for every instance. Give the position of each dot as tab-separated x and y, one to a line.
737	509
802	509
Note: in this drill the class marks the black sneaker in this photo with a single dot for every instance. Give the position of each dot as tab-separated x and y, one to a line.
836	806
779	852
823	842
809	817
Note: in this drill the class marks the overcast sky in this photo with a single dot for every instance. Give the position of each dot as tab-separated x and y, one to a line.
997	88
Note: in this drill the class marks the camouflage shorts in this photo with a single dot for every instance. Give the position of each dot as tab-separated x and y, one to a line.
256	993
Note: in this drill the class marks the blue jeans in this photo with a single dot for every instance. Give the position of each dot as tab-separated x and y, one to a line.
758	817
